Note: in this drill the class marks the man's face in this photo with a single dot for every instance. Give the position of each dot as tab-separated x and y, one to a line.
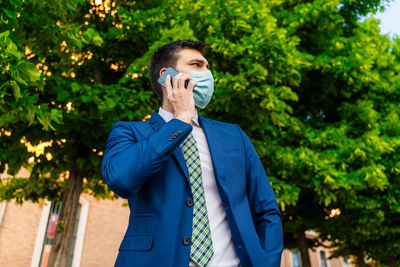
189	60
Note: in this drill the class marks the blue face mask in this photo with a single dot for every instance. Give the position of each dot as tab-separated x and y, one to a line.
205	87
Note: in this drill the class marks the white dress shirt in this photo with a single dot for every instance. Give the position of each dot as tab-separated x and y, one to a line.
224	250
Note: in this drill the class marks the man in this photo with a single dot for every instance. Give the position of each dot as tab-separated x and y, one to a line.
196	188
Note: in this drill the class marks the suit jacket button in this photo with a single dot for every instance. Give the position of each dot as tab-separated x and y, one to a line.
189	202
186	241
179	131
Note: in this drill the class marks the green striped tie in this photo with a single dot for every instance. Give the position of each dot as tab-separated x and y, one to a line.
202	249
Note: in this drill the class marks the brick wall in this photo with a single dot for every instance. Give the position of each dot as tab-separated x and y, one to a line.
106	225
18	233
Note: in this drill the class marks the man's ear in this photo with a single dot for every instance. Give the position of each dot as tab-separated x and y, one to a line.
162	71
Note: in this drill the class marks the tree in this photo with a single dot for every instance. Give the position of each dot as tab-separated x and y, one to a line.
346	99
293	75
70	99
371	211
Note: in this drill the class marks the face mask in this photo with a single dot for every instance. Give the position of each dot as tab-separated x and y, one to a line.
205	87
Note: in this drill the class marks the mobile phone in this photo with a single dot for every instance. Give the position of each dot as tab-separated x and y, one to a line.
172	72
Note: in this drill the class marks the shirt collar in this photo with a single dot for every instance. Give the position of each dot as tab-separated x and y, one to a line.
167	116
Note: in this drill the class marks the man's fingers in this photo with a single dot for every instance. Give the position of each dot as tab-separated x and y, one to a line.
168	86
191	85
179	81
176	79
182	80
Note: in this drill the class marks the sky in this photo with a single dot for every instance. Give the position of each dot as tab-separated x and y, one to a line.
390	19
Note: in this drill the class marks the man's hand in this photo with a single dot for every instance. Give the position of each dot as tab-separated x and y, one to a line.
181	98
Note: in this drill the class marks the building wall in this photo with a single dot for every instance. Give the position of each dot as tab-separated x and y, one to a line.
106	224
286	260
314	258
18	233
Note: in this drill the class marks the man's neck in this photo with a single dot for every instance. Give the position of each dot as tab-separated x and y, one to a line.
165	105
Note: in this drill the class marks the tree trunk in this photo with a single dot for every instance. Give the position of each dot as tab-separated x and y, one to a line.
303	247
98	74
360	257
392	261
62	242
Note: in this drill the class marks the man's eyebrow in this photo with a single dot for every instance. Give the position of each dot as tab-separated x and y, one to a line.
202	61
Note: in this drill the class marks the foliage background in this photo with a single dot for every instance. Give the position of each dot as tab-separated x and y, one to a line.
315	89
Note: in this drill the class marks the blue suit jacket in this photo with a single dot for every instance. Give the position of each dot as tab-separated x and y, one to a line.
143	163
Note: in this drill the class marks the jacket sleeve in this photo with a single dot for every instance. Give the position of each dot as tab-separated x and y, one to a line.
266	215
129	161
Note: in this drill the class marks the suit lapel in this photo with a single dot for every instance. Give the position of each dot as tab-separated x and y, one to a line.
214	141
156	122
181	162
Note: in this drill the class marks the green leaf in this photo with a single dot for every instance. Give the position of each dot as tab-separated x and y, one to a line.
16	3
28	72
11	13
75	87
12	49
16	90
57	116
63	95
97	40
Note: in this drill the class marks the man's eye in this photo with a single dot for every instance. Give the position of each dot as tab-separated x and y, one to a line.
196	64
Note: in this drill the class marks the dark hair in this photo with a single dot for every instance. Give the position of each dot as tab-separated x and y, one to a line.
166	57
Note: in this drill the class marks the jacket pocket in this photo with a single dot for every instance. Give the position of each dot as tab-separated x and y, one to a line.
137	242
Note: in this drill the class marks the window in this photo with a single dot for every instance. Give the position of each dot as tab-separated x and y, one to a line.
50	234
55	209
47	230
295	258
324	260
